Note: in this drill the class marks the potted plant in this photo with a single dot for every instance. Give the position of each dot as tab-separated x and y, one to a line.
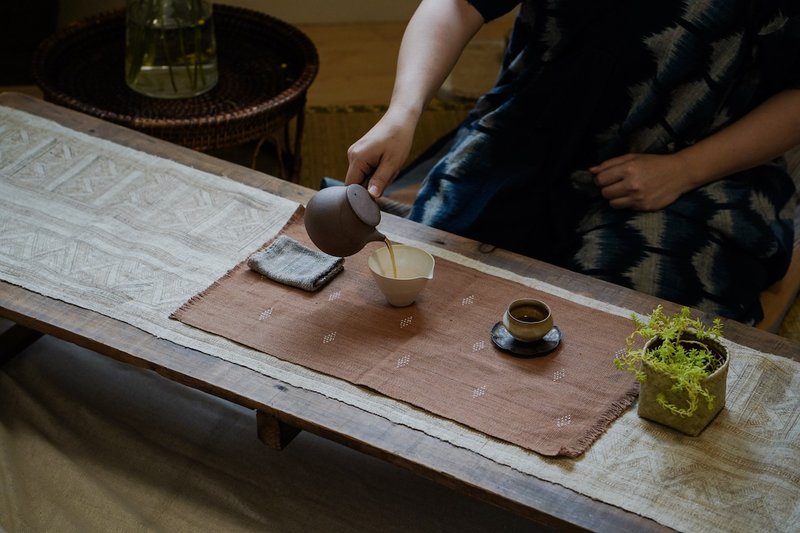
682	368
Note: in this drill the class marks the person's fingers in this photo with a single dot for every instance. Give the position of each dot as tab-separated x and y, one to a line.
381	178
361	164
357	172
609	163
618	196
609	176
621	203
615	190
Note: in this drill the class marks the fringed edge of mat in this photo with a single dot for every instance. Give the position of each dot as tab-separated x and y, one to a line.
616	410
178	313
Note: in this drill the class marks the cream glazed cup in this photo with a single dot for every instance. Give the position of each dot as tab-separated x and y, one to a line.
414	269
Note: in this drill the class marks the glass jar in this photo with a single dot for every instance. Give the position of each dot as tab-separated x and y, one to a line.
170	49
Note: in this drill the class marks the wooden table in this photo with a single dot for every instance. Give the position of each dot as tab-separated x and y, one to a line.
283	410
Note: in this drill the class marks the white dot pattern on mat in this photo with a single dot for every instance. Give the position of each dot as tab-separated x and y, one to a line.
469	300
406	322
558	375
478	346
563	421
403	361
265	314
335	296
479	391
330	337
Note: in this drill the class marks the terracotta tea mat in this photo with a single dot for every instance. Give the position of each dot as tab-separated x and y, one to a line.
436	354
133	236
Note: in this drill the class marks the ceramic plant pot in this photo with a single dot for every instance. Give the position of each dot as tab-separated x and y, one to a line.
657	383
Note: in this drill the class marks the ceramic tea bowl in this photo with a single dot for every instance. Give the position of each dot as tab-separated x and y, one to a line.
414	269
528	319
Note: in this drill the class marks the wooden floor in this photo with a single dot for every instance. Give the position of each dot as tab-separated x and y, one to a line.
357	61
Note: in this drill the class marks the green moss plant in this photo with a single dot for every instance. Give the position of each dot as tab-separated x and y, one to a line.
677	350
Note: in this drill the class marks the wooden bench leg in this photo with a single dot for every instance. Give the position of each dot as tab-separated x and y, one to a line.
272	432
14	340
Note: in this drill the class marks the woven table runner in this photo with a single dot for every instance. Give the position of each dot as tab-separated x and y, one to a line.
436	354
133	237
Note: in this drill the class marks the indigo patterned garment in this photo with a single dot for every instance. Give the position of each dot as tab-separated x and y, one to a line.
586	80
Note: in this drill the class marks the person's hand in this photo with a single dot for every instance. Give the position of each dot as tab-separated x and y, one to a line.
381	152
644	182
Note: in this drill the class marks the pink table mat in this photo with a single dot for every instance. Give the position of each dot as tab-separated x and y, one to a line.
436	354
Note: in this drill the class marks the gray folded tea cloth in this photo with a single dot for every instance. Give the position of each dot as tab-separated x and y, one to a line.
289	262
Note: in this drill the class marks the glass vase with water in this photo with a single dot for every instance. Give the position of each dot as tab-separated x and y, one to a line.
170	49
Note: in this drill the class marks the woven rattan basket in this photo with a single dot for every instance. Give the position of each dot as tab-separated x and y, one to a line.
265	69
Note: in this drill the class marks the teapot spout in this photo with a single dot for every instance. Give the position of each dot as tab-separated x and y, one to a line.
375	236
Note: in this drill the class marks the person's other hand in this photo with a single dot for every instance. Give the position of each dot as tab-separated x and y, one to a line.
644	182
380	153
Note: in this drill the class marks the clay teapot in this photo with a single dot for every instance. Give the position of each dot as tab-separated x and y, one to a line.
341	219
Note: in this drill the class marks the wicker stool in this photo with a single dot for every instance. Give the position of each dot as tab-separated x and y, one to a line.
265	69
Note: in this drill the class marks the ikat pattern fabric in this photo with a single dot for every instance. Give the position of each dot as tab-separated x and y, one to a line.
584	81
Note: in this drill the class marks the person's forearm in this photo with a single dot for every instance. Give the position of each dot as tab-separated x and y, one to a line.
760	136
432	43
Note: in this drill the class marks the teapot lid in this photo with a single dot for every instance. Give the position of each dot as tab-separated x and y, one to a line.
363	205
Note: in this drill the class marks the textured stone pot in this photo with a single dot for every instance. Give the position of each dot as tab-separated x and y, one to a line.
658	382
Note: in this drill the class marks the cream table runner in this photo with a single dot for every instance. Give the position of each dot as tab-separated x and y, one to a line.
133	236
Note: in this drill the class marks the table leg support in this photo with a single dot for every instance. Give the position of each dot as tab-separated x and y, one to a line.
287	149
14	340
272	432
